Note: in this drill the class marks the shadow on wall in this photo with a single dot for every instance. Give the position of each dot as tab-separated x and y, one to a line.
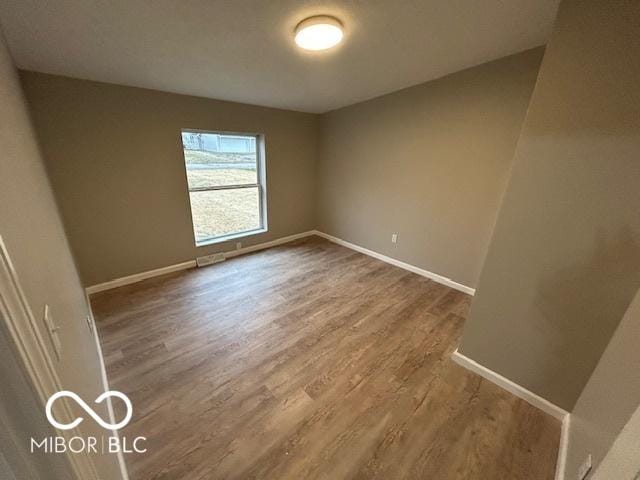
592	295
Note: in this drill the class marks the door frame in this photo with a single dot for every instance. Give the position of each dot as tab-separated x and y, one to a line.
35	358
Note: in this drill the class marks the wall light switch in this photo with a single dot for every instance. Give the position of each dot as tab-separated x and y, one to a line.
394	238
52	330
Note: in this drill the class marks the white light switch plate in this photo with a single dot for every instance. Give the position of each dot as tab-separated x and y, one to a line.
52	330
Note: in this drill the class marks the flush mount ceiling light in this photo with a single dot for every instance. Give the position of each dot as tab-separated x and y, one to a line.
319	33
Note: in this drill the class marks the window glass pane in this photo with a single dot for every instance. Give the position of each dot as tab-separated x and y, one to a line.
216	160
223	212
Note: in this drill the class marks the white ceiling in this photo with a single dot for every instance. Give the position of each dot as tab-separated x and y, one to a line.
243	50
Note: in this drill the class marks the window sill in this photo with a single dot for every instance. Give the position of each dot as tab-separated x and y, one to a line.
232	236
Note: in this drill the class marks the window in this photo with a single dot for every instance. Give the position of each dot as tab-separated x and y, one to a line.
225	174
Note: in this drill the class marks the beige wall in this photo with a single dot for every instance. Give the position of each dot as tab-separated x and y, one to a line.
114	155
21	418
33	234
610	397
441	151
622	460
429	163
564	261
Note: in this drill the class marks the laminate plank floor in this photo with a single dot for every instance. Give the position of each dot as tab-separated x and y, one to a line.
310	361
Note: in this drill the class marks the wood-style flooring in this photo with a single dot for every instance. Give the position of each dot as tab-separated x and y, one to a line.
310	361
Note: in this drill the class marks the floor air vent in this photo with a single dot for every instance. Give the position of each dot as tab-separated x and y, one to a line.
210	259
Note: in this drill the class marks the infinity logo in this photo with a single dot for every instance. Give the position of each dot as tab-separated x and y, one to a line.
89	410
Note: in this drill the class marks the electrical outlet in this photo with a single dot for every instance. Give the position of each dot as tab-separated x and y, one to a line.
394	238
585	468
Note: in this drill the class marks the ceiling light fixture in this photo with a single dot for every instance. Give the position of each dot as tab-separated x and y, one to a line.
319	33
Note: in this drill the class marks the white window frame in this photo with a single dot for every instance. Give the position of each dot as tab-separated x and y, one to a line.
261	185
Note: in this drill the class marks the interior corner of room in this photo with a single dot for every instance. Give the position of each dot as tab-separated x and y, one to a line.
327	272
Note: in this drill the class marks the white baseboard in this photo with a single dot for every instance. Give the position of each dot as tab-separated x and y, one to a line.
272	243
519	391
529	397
561	463
457	357
412	268
124	474
138	277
